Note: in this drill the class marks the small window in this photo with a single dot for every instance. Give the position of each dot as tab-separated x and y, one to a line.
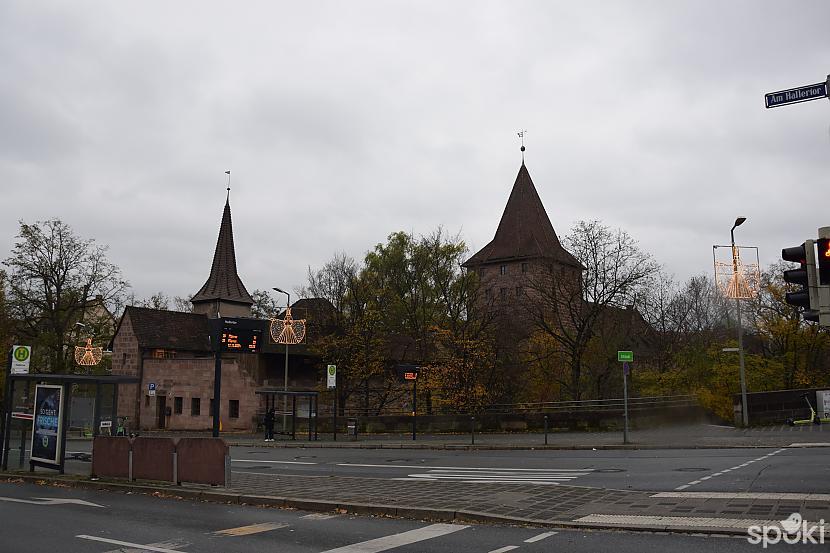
518	291
163	354
177	405
488	293
211	407
195	406
524	267
503	293
146	401
481	271
233	409
503	269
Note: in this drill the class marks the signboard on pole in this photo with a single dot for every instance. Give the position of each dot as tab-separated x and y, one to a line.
47	426
407	373
331	377
21	355
625	356
796	95
151	389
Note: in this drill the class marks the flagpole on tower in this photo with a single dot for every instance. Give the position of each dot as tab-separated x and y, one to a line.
229	185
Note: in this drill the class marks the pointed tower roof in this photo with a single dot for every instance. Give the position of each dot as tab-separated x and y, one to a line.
224	282
525	231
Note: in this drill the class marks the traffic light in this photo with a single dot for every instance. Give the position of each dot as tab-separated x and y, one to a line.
823	261
805	276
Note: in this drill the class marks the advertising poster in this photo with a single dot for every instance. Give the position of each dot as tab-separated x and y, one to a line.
47	424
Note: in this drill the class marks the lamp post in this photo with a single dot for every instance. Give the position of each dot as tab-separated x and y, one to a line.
744	408
285	378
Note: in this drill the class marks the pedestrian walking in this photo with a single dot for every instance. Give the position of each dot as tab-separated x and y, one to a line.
269	425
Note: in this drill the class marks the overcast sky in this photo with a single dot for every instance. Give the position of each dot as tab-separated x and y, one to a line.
345	121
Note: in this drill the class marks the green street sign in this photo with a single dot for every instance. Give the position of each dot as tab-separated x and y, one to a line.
625	356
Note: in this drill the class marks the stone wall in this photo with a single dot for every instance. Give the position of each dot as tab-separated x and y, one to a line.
126	361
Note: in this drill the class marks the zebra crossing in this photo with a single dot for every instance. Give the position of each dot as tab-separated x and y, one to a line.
550	477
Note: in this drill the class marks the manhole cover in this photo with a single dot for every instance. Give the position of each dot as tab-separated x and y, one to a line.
692	469
608	470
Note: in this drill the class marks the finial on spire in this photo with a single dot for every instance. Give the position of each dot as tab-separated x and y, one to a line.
522	149
228	199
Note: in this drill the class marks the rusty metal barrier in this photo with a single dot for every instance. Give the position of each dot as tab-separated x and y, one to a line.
203	461
111	456
153	459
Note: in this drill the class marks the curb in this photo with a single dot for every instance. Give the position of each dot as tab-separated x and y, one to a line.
417	513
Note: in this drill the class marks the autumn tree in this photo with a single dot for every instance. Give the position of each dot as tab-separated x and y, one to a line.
57	279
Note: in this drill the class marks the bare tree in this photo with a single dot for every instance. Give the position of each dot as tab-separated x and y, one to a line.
567	304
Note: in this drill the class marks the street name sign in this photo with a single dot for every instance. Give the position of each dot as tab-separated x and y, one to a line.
625	356
331	377
796	95
21	355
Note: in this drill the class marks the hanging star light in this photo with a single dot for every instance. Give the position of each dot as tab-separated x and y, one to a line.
288	330
88	355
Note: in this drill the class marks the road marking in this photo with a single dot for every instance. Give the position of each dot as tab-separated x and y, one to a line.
746	495
505	548
689	522
162	544
540	537
459	468
499	476
318	516
274	462
50	501
250	529
809	444
128	544
724	471
398	540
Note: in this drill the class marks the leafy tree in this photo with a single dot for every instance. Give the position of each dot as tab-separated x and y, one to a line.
56	279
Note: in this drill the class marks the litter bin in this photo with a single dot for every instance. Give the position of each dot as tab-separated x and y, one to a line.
351	428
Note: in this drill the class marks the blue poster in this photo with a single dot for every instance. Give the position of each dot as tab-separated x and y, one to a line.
47	424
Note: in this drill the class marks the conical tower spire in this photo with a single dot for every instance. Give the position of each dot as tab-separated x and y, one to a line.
525	231
223	286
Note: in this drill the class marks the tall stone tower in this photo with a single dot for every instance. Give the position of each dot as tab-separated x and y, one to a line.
524	253
223	294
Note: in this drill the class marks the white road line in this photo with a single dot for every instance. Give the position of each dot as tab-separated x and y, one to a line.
504	549
460	468
250	529
318	516
173	544
128	544
398	540
746	495
689	522
540	537
724	471
274	462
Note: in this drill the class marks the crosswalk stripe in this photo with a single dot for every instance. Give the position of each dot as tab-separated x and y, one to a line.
128	544
540	537
250	529
504	549
398	540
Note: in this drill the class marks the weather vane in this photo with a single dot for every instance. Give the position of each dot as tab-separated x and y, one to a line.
229	183
288	330
522	137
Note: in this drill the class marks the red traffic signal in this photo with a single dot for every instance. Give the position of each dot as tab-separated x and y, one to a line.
823	261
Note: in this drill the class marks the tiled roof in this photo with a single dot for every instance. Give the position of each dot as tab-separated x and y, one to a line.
525	231
224	282
155	328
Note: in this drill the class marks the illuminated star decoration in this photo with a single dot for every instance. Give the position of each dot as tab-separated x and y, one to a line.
288	330
88	355
736	279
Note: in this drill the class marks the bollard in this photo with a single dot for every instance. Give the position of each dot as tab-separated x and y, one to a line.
546	430
473	430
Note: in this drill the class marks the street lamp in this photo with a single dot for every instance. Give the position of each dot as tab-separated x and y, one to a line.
285	378
744	408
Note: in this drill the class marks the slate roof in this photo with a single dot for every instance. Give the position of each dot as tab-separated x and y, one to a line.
525	231
224	282
159	329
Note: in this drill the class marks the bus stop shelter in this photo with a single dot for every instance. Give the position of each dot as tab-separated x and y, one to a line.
66	381
275	397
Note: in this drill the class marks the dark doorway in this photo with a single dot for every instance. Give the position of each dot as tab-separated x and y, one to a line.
161	410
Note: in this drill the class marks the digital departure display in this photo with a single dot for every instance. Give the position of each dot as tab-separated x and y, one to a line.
240	340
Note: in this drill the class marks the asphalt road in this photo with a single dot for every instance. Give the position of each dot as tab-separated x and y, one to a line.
795	470
34	520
